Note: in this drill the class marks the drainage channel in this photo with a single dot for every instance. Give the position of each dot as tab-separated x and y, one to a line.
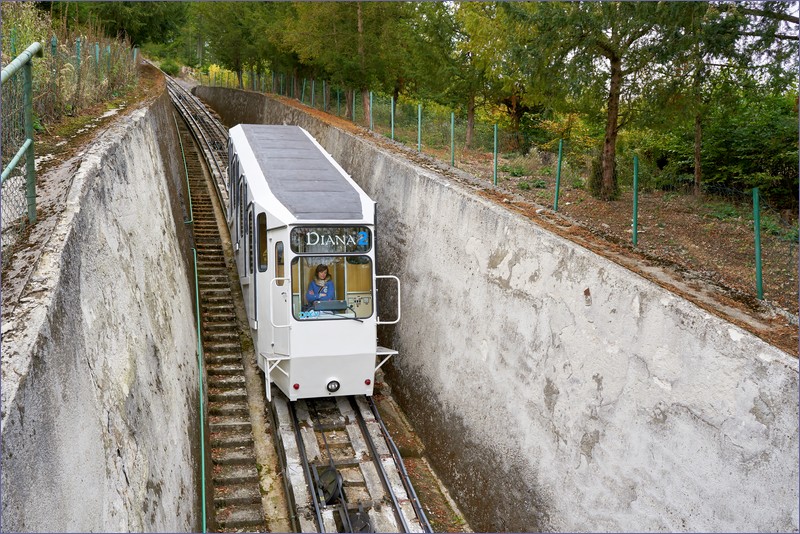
234	475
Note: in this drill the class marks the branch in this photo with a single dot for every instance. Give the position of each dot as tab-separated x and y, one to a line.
782	36
771	15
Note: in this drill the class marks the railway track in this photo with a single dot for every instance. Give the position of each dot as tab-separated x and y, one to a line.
341	470
344	473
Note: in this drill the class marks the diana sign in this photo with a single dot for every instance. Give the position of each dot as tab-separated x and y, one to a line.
330	239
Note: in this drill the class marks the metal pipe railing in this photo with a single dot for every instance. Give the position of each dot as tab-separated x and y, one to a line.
25	62
202	411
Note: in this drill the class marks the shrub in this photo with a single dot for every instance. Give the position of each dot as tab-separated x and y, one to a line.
170	67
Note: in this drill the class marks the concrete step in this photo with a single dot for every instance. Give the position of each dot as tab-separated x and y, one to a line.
244	518
226	381
236	494
242	455
229	409
235	474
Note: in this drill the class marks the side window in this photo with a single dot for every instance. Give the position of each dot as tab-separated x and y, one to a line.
262	242
279	262
242	202
233	172
234	195
250	236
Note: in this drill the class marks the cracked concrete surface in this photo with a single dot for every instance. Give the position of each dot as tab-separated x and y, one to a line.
99	374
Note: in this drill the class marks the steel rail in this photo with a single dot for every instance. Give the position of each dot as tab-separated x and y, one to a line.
398	460
222	131
199	118
197	129
204	116
362	423
306	467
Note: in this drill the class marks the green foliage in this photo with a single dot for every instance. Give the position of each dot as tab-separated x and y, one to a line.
542	72
535	184
775	226
722	211
514	170
170	67
139	22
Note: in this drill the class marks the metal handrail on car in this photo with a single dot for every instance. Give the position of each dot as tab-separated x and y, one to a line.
398	298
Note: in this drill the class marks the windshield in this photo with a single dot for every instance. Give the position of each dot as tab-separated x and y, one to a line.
332	287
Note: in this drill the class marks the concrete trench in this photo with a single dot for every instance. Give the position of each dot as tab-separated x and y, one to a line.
557	390
540	409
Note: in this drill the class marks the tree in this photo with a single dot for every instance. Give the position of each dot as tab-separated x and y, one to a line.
141	22
713	45
359	44
228	29
585	49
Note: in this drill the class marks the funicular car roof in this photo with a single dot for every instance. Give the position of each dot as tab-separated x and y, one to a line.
300	175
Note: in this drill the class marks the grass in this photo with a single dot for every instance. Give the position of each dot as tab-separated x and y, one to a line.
514	170
722	211
536	184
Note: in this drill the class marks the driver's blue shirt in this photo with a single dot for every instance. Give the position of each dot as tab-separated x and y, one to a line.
316	292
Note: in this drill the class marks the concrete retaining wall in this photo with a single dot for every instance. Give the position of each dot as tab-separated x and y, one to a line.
555	390
99	399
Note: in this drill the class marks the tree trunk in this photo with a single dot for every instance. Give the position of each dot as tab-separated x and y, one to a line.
365	105
698	138
240	78
348	104
608	185
470	121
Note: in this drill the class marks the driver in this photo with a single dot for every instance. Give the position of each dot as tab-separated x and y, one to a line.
321	287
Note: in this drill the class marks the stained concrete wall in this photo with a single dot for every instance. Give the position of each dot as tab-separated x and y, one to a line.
542	408
99	372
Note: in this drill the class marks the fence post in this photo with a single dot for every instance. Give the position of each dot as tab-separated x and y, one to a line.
635	200
452	139
312	91
135	53
303	93
558	173
757	230
391	113
495	155
78	56
338	102
370	111
419	128
54	73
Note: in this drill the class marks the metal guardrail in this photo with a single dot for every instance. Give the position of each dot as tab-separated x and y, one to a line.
12	183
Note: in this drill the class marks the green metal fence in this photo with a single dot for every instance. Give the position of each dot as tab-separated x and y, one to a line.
72	75
18	181
442	133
